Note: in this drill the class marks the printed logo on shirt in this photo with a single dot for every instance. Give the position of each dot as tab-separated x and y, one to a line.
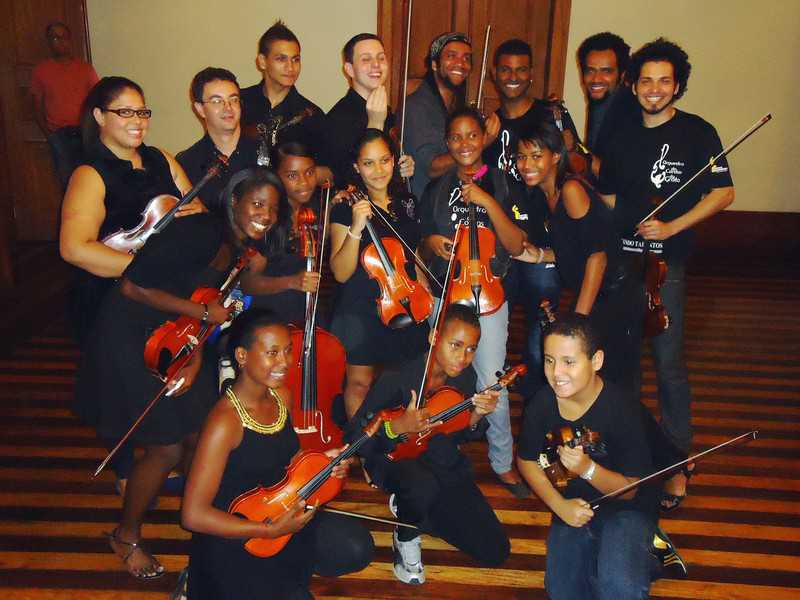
408	205
505	162
718	169
638	245
518	216
460	212
666	171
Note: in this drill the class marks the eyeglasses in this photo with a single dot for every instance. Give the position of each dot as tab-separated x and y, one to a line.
219	102
127	113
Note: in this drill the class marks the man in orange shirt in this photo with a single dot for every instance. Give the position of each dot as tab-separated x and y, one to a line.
59	86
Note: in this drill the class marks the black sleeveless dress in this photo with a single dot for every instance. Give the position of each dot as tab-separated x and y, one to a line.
220	568
128	191
114	385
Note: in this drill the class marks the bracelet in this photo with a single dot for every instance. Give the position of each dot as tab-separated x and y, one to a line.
353	235
387	427
541	255
589	472
205	312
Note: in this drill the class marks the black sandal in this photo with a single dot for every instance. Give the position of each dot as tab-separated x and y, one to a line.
134	546
670	502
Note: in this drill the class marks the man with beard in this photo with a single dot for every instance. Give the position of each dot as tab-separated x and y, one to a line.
217	101
442	91
276	99
603	58
366	105
654	157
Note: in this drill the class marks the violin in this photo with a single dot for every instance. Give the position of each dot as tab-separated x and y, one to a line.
656	319
313	388
170	346
581	437
578	156
448	406
308	477
403	301
159	212
474	284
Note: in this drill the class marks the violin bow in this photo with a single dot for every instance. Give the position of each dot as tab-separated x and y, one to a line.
168	390
442	306
711	163
405	77
326	204
356	515
750	435
483	66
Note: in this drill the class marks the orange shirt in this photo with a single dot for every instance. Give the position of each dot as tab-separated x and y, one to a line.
61	87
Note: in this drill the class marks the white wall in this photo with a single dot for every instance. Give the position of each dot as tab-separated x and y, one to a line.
161	44
744	57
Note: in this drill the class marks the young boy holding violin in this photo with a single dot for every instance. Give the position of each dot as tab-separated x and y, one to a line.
601	553
436	491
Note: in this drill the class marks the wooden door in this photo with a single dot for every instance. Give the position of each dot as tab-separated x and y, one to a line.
542	23
30	200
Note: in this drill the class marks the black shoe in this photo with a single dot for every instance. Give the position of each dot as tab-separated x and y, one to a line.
670	502
519	489
672	565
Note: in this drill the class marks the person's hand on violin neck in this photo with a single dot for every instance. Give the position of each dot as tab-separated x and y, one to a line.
192	208
485	403
440	245
292	521
218	314
492	130
655	230
412	420
340	470
575	512
574	459
377	108
361	212
472	193
305	281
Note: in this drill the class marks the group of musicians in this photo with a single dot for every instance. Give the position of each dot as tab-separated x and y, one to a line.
557	213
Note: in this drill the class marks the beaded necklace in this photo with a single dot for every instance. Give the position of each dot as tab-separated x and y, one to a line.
250	423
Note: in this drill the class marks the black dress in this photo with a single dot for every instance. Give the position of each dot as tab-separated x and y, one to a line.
221	568
355	318
114	385
127	192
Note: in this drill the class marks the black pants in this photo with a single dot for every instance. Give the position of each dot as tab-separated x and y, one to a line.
452	508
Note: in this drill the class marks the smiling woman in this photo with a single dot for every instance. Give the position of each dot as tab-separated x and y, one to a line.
114	384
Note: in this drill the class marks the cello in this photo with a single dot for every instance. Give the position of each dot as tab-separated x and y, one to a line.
474	284
159	212
402	301
313	388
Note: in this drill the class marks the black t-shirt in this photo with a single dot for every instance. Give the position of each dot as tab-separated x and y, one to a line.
358	293
620	427
257	109
607	117
443	210
344	125
501	152
574	240
393	389
642	163
531	214
199	157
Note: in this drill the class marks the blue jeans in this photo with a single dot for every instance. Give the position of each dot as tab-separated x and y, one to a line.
489	359
674	396
528	284
607	559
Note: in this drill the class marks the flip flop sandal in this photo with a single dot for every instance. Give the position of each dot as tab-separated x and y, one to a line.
134	546
670	502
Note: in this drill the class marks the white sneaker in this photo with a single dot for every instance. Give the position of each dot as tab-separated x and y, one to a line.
408	566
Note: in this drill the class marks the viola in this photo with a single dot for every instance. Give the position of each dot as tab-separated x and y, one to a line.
578	155
308	477
474	284
159	212
656	319
313	388
170	347
448	406
403	301
581	437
